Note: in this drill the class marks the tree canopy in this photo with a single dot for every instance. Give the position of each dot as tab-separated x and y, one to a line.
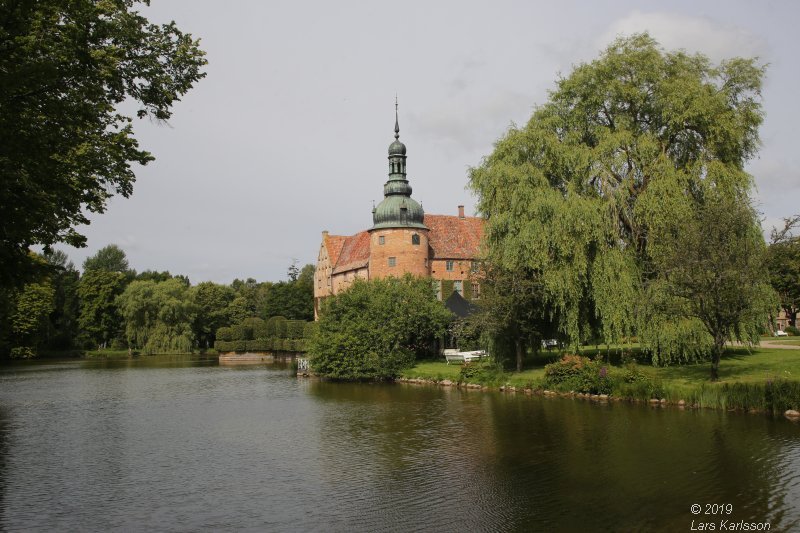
580	196
374	328
110	258
65	147
784	266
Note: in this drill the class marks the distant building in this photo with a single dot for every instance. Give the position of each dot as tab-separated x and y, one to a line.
403	239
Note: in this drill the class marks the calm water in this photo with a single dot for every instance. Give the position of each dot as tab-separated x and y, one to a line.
177	444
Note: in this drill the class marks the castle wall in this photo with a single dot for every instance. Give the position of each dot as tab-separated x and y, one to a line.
398	244
342	280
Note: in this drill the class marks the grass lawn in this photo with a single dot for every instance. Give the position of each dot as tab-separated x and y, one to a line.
793	341
737	366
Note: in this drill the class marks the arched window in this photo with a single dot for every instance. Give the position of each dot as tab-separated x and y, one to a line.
415	239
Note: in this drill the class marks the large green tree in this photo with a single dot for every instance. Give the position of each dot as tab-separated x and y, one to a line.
784	266
33	305
710	268
293	299
63	327
110	258
65	146
574	197
212	301
99	318
158	316
375	328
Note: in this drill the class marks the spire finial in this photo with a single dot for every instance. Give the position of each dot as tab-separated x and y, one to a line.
396	121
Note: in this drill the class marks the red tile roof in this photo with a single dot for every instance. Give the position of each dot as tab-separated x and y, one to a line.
334	244
452	237
354	253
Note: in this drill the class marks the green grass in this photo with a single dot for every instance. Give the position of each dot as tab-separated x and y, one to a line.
746	378
794	341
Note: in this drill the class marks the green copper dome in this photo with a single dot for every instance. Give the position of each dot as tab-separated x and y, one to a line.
398	209
398	212
397	148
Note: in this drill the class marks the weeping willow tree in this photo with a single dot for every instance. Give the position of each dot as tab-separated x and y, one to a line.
158	316
585	193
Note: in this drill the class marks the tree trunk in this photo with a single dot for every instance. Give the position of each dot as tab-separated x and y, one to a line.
719	346
520	352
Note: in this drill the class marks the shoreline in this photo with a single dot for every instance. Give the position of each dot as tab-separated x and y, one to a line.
790	414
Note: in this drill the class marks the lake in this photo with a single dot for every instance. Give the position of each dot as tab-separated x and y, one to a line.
184	444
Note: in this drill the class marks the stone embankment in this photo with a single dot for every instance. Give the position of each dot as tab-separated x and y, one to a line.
599	398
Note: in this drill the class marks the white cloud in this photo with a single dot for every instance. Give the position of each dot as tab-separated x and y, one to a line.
695	34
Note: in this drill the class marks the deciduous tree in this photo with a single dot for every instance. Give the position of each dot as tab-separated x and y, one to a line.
99	318
65	146
374	329
573	197
784	266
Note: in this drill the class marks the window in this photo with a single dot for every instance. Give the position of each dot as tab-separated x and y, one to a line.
381	240
392	261
476	291
415	239
458	286
437	288
474	267
448	265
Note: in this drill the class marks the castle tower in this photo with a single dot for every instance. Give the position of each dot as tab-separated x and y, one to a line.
398	237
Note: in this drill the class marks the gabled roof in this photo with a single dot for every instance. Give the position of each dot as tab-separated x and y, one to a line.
334	245
459	306
354	253
453	237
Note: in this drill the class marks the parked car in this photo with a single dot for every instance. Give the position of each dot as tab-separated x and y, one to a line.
779	333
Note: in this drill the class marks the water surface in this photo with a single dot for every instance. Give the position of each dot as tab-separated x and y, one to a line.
183	444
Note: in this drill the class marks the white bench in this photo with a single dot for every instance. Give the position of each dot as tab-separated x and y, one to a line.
462	357
453	356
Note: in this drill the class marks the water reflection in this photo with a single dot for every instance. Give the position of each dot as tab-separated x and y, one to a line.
184	444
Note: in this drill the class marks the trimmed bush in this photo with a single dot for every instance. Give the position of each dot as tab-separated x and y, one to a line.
294	328
278	326
310	329
791	330
224	334
258	345
238	332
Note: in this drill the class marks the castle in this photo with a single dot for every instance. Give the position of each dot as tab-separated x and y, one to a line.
403	239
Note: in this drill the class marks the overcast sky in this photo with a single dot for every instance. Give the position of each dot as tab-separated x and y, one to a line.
287	135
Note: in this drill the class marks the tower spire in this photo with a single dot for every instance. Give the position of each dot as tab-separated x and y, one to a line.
396	120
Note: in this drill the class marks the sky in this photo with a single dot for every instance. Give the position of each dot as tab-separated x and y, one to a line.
287	135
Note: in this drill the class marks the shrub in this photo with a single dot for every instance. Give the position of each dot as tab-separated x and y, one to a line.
294	328
258	345
225	346
484	371
237	332
22	352
249	327
260	330
278	326
791	330
580	374
224	334
310	329
299	345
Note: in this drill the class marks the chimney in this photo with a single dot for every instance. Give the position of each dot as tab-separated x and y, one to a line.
461	211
